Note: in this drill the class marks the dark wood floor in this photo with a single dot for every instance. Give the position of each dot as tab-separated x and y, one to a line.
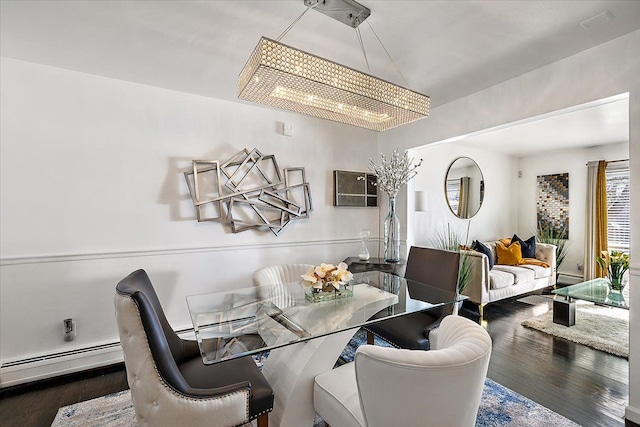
587	386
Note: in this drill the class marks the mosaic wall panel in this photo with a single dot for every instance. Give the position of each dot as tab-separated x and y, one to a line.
553	203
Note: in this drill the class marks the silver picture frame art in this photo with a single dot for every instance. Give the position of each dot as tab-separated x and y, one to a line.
195	188
249	185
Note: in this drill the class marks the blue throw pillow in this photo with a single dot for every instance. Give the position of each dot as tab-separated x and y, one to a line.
528	246
481	247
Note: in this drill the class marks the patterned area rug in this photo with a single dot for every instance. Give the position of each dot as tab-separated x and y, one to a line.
602	328
499	406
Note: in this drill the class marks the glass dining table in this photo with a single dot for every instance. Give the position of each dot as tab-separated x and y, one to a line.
304	338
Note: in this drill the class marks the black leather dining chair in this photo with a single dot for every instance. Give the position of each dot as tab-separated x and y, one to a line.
170	385
434	267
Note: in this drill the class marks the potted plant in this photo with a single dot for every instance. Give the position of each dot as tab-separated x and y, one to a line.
558	238
452	240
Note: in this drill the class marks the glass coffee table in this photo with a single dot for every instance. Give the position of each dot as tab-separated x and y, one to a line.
596	291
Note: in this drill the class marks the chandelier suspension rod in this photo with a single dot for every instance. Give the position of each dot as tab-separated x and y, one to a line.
359	36
364	53
389	55
284	33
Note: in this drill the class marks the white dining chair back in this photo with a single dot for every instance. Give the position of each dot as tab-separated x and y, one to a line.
276	276
393	387
282	273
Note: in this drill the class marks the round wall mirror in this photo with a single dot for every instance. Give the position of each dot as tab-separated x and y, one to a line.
464	187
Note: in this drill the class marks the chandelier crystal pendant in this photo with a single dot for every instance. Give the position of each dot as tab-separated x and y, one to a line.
284	77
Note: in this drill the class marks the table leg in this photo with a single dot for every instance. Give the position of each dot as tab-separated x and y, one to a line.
564	312
291	372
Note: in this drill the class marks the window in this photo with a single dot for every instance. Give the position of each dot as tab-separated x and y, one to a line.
453	194
618	207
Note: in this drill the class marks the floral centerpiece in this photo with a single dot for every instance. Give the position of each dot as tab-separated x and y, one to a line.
614	264
327	281
392	174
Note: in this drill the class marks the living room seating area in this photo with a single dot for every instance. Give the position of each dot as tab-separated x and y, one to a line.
493	277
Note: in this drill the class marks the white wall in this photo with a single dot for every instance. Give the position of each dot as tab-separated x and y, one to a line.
499	212
574	162
603	71
92	189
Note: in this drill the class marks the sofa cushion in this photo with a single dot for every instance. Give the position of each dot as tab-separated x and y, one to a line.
538	271
500	279
511	255
528	246
520	274
482	248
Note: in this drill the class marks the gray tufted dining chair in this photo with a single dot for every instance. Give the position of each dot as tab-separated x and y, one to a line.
170	385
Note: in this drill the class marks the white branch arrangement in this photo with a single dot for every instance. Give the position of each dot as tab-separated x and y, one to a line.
394	173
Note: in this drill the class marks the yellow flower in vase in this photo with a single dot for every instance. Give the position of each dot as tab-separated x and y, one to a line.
614	264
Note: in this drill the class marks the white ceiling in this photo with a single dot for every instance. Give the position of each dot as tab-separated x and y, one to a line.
445	49
583	126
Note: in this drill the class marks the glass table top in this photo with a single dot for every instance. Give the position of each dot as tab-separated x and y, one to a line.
597	291
251	320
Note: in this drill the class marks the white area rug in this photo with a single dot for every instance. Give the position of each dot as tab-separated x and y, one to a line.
602	328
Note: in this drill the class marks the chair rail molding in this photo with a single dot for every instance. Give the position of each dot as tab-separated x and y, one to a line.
38	259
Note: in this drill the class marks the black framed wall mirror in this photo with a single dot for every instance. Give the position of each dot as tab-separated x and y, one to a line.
464	187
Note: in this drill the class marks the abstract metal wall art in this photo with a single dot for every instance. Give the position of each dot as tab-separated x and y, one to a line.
247	192
553	204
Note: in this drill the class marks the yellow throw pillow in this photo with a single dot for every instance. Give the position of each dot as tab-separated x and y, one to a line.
511	255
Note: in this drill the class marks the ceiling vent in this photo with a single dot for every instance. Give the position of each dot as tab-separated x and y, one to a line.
599	19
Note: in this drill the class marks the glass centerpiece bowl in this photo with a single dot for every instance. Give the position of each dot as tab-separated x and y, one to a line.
327	282
614	264
392	174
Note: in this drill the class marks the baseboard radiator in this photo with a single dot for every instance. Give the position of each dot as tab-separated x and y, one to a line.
56	364
16	372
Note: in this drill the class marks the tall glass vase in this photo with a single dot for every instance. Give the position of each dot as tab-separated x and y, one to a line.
392	233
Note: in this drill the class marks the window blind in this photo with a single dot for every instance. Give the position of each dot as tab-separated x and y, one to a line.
618	208
453	193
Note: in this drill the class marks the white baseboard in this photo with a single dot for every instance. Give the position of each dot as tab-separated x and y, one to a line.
570	279
38	368
632	414
46	366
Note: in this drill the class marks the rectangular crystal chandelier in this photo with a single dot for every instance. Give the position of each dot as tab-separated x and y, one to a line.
284	77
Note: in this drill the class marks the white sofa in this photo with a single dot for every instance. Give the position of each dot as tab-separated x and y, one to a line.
504	281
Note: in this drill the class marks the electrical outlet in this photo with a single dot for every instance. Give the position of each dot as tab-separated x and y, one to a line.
579	265
69	329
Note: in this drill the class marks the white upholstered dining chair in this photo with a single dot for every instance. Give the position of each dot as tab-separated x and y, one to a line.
392	387
277	275
282	273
